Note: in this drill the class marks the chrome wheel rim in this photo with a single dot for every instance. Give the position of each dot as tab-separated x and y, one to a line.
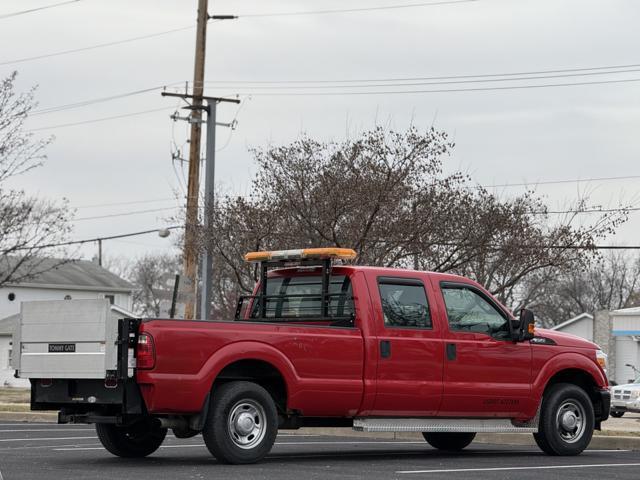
571	421
247	424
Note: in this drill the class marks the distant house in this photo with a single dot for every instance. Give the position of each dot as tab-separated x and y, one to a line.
7	326
580	326
618	334
625	335
79	279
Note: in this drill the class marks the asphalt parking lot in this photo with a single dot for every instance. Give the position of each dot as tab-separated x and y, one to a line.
49	451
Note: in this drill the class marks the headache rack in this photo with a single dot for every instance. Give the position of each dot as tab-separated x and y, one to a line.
331	307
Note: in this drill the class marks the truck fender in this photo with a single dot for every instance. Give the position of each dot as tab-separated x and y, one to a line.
566	361
249	350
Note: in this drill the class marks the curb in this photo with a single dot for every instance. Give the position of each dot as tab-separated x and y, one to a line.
29	417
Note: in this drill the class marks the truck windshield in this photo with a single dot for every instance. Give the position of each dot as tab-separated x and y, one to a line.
300	297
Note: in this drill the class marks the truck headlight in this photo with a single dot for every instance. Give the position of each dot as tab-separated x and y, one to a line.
601	358
635	394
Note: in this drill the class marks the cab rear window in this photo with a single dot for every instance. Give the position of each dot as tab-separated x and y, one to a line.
300	297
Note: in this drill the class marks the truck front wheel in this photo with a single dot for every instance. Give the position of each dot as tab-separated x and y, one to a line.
566	420
137	440
453	442
242	423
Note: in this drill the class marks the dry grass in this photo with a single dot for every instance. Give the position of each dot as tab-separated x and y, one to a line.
14	407
14	395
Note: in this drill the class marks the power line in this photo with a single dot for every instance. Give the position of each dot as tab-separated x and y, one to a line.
533	212
477	79
592	210
102	119
354	10
99	45
443	90
480	79
387	92
551	182
131	202
445	244
97	239
37	9
166	32
124	214
443	77
100	99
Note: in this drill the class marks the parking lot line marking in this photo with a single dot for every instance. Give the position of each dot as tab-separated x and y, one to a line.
30	447
533	467
50	430
607	451
277	443
338	455
28	424
366	442
61	449
74	449
39	439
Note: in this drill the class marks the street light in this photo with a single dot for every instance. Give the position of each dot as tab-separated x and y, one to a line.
162	233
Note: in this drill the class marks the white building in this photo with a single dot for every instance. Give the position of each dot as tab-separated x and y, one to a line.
625	331
617	333
7	326
79	279
580	326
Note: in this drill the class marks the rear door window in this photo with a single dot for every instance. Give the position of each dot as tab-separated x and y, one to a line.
404	303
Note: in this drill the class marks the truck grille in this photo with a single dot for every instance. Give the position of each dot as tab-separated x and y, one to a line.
622	395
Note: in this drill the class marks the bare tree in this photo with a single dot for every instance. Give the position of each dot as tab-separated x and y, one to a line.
385	194
610	283
28	225
153	276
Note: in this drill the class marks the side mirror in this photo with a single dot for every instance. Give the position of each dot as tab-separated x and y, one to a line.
526	326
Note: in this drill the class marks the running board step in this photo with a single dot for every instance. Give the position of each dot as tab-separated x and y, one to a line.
497	425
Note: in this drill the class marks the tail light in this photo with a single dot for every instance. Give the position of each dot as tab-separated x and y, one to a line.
145	352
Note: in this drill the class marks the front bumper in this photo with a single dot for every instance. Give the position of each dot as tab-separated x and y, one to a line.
626	405
605	398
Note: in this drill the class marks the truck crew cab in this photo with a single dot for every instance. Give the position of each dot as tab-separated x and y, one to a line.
319	343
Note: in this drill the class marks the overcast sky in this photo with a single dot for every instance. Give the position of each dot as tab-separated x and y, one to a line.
524	135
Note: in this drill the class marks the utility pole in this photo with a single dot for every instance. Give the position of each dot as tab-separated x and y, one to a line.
209	199
206	269
193	187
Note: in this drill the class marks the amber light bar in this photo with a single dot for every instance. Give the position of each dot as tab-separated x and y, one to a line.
300	254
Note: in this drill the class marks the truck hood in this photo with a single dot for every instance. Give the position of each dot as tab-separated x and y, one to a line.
627	386
565	339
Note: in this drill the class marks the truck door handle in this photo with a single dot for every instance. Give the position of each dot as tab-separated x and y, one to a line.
385	348
451	351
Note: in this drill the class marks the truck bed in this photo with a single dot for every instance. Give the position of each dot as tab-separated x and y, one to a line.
315	360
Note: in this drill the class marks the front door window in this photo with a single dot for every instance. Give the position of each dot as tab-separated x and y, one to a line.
468	311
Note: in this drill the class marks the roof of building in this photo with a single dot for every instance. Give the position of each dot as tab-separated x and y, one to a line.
575	319
8	324
627	311
74	274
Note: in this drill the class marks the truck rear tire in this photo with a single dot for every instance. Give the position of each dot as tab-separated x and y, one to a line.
242	423
453	442
616	414
566	420
134	441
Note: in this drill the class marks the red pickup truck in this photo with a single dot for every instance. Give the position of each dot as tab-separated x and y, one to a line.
328	344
